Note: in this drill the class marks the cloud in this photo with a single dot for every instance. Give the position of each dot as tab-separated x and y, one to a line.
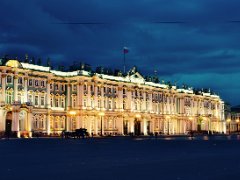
198	38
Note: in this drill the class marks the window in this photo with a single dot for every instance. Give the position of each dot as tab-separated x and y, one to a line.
85	102
43	83
92	89
9	97
124	91
56	122
99	103
62	122
30	82
42	100
56	87
9	79
110	104
36	82
20	80
56	101
51	86
92	103
36	100
74	101
124	104
62	87
51	101
29	98
85	87
74	87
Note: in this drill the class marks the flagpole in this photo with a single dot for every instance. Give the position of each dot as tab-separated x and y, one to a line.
124	62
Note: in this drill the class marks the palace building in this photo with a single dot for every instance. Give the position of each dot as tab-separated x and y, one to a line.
35	98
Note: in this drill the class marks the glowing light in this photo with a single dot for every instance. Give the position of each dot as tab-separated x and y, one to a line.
138	115
228	120
72	113
101	114
237	121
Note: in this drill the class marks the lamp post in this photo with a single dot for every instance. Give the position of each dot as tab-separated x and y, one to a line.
101	114
72	115
237	121
229	125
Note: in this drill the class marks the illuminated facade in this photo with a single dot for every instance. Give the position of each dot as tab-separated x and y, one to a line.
37	99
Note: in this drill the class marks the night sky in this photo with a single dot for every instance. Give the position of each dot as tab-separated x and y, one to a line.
196	42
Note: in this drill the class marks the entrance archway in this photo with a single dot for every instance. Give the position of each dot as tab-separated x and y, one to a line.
137	127
8	124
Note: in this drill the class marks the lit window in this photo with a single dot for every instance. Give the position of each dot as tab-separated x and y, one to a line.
99	103
56	101
36	100
42	100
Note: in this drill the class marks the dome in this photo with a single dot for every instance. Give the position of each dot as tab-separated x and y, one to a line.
14	64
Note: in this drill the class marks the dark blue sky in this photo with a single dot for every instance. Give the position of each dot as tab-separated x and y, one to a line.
202	49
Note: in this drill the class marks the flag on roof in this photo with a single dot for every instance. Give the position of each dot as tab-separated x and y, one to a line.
125	50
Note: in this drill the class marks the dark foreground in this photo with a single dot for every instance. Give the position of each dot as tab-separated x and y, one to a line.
120	158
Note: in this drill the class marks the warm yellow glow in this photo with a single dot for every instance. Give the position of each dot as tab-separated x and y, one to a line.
228	120
237	121
138	115
72	113
190	118
101	114
168	117
14	64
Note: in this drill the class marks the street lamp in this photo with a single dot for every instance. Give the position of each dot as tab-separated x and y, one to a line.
229	125
72	114
101	114
237	121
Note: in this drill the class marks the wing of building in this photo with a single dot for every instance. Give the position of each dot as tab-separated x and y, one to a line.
37	99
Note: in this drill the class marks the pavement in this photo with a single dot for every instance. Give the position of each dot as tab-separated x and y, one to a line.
203	157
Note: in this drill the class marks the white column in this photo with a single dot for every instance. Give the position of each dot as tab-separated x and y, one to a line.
25	89
15	122
120	98
103	124
29	124
48	123
95	96
15	88
144	126
131	125
96	125
78	95
68	96
3	87
89	125
129	99
89	95
48	104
